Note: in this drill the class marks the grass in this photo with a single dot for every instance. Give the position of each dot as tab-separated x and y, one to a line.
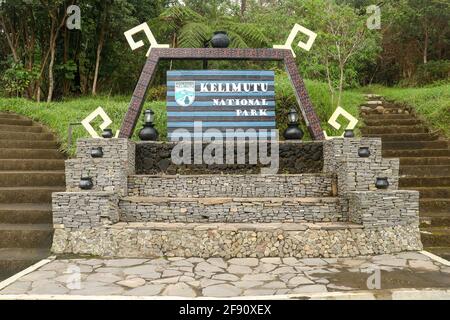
432	102
58	115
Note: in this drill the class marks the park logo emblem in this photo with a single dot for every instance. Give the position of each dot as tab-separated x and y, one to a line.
185	93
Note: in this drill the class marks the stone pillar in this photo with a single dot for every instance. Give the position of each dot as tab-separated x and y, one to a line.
109	173
355	173
384	208
357	176
84	210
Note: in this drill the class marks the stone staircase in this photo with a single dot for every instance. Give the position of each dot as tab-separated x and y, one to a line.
424	165
31	169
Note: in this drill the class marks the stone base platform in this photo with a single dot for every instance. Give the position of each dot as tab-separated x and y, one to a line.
226	240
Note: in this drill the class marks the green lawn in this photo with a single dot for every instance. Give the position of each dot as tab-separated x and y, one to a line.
433	102
58	115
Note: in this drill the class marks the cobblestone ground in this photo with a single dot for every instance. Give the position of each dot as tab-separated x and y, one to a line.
216	277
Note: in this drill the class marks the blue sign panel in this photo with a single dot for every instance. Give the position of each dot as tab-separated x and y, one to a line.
237	103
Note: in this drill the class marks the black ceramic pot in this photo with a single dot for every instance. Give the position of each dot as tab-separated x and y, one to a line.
107	134
382	183
220	40
97	152
293	132
86	183
349	134
148	133
364	152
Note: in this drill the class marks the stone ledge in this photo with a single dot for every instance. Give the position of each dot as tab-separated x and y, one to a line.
220	200
234	226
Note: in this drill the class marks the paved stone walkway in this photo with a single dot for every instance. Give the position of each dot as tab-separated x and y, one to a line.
216	277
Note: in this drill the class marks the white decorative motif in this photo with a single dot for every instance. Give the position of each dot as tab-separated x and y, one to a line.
333	122
87	121
306	46
136	45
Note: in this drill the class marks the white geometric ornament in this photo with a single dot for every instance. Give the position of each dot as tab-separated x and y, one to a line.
333	122
306	46
136	45
87	121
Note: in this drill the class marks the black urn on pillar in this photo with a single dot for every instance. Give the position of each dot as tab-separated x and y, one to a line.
220	40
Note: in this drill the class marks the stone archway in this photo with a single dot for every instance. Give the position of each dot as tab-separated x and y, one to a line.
137	101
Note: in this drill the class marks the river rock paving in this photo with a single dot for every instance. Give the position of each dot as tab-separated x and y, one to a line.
216	277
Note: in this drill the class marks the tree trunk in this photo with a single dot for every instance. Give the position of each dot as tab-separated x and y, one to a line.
97	62
243	7
341	83
425	47
51	81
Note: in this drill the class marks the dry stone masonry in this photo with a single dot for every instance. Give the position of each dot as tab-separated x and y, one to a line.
206	211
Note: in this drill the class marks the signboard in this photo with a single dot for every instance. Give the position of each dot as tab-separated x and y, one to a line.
237	103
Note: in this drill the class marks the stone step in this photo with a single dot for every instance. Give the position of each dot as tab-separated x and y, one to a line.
229	210
26	235
26	213
424	161
7	115
11	135
388	116
436	206
416	153
443	252
30	154
28	194
28	144
31	164
424	171
32	178
16	121
393	129
403	136
375	110
13	128
375	104
431	192
387	122
402	145
424	182
435	237
435	221
14	260
251	186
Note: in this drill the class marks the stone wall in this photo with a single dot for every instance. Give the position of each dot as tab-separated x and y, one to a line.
84	210
208	210
381	209
303	185
109	173
355	173
236	240
295	158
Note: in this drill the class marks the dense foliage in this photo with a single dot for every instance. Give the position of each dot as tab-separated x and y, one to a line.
42	59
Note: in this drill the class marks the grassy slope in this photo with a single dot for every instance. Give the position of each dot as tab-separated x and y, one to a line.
433	103
58	115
